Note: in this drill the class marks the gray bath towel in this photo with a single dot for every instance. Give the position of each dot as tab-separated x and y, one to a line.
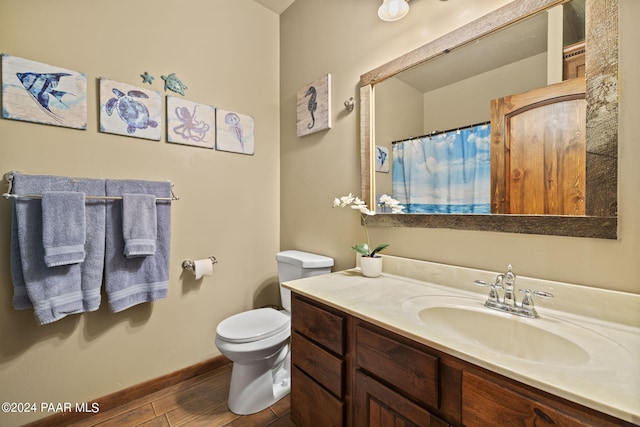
139	224
55	292
63	227
131	281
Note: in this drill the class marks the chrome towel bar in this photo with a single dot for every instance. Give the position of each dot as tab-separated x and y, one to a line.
9	195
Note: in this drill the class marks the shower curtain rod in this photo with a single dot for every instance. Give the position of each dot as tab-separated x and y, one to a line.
440	132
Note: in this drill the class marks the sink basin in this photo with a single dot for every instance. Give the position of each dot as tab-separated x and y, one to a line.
545	339
507	334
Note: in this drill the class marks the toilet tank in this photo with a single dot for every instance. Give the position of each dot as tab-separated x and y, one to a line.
294	265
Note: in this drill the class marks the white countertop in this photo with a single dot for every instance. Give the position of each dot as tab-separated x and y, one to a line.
608	382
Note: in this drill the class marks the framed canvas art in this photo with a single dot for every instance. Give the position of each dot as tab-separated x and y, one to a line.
313	109
41	93
190	123
234	132
382	159
130	111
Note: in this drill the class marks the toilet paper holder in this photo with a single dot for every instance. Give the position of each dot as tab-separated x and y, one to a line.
188	264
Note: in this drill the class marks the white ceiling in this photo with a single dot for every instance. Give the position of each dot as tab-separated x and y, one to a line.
277	6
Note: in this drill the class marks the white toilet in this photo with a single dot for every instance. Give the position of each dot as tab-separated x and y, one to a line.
257	341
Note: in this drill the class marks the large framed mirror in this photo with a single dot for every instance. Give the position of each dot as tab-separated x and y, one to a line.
518	19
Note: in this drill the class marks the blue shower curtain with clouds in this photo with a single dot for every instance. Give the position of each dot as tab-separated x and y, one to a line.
445	173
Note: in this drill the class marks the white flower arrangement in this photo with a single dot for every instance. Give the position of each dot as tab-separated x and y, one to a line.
355	203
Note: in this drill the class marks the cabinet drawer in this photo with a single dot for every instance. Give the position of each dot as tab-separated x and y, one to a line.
325	327
312	405
319	364
406	368
492	401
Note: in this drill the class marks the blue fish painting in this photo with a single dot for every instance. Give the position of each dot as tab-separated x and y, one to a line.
382	159
42	86
41	93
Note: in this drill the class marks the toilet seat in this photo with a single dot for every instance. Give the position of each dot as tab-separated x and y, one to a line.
252	325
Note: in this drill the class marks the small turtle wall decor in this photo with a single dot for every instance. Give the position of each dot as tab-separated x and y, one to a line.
173	83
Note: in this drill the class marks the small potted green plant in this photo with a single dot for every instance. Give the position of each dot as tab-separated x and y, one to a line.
370	261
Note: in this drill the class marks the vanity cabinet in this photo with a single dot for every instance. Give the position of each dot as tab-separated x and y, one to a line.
349	372
401	383
491	400
318	367
377	405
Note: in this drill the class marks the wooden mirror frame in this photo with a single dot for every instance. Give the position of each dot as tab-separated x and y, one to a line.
601	29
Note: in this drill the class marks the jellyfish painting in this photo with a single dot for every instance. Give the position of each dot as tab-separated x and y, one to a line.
233	121
235	132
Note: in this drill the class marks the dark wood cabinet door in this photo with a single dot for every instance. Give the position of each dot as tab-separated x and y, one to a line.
379	406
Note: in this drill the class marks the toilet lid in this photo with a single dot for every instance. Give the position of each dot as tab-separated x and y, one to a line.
252	325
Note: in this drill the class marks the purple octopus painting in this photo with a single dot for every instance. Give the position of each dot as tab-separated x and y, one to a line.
234	132
190	123
131	111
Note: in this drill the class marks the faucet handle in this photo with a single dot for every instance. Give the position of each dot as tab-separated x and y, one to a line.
493	293
527	301
485	283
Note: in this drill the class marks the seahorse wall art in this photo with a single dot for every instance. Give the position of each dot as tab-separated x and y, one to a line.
41	93
130	111
314	106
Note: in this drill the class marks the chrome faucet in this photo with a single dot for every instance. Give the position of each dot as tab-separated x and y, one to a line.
508	303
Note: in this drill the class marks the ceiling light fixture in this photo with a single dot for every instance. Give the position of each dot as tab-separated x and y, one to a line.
393	10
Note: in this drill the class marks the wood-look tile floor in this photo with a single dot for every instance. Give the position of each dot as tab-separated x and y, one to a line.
199	401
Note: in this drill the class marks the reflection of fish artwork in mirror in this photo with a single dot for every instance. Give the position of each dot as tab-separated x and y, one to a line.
130	111
41	93
190	123
234	132
314	106
382	159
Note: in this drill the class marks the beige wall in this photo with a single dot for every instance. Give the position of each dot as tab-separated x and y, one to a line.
399	115
448	107
227	54
325	165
